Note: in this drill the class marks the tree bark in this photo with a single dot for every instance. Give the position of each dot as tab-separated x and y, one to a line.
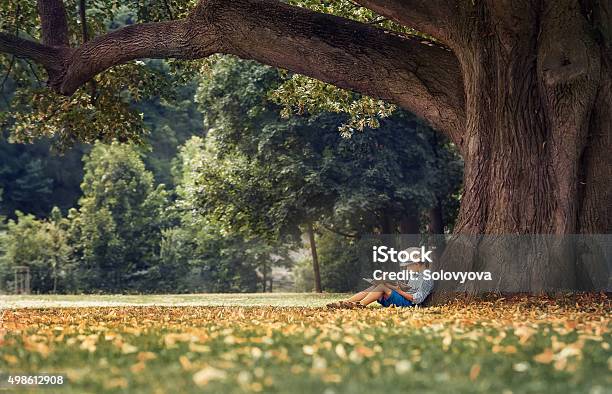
531	91
388	224
264	278
315	258
538	117
436	219
410	223
54	24
433	17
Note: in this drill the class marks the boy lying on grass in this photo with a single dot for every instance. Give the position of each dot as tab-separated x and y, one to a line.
403	294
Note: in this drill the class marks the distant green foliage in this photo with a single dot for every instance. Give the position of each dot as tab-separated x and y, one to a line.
171	123
300	94
266	175
102	110
338	260
303	275
235	197
25	168
31	186
260	175
338	257
35	179
117	228
199	245
40	245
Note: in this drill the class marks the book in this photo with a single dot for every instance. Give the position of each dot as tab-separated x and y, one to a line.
381	282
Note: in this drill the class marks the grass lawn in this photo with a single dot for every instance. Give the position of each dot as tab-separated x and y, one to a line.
176	344
233	299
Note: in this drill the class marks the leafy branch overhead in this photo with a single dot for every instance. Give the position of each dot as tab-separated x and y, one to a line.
213	26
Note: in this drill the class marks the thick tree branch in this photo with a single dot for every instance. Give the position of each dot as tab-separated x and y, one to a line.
422	78
434	17
53	22
47	56
160	40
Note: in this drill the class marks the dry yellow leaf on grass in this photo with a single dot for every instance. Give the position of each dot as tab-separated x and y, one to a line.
546	357
170	340
446	341
365	351
138	367
116	383
521	367
474	372
9	358
185	363
332	378
126	348
205	375
524	333
308	350
145	356
510	349
37	347
194	347
403	367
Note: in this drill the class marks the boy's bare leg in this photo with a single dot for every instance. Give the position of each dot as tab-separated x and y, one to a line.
374	295
362	294
365	297
371	297
358	297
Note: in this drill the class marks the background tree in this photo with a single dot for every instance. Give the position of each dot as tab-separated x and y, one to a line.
40	245
222	259
169	123
117	229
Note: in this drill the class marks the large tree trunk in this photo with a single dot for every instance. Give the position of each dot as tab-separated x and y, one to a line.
531	89
537	145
